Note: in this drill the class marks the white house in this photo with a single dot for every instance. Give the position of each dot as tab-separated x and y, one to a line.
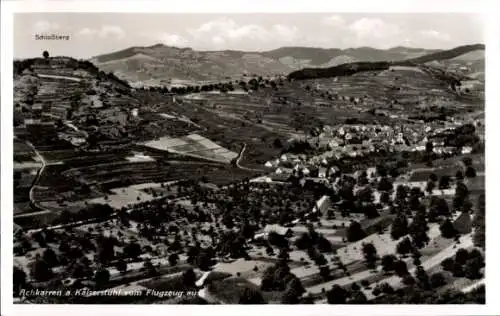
466	150
268	164
278	229
371	171
322	172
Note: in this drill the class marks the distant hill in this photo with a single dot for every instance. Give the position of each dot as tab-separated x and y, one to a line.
160	64
448	54
447	60
319	57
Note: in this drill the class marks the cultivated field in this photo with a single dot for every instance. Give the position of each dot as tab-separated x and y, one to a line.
193	145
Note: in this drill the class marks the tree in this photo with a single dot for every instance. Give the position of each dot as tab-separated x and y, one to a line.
473	268
447	264
470	172
370	254
121	266
324	245
189	278
355	232
400	268
101	278
277	143
45	54
19	280
433	177
388	263
150	268
429	147
295	286
290	297
132	250
444	182
324	272
408	280
358	297
401	194
50	257
460	200
418	230
337	295
459	176
283	254
437	280
385	198
404	247
385	185
458	270
365	195
41	271
447	229
362	179
461	256
479	238
431	185
81	270
422	278
467	161
204	261
479	223
399	227
173	258
438	207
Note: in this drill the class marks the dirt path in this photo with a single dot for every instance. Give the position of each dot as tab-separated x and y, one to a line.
60	77
395	281
240	156
38	175
473	286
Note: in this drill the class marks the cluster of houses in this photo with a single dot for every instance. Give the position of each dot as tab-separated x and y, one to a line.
362	140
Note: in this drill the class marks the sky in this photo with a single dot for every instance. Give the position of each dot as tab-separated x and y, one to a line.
92	34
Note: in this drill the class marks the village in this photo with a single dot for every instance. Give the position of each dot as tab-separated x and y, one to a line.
262	190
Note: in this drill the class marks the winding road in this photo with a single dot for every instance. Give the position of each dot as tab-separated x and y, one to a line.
35	181
240	156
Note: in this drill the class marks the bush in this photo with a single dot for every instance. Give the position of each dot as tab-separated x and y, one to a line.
447	264
437	280
447	229
408	280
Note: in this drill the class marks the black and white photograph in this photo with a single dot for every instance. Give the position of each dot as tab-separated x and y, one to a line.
247	158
